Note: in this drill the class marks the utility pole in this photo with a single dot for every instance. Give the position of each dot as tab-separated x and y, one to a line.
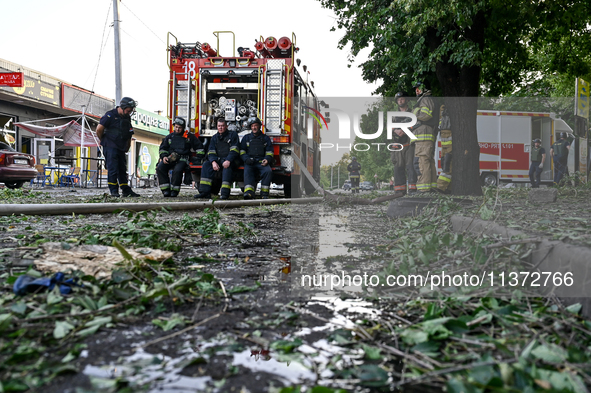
118	81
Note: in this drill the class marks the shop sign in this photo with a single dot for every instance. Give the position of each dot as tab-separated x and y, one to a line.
12	79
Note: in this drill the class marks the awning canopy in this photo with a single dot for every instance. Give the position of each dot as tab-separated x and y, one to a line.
71	133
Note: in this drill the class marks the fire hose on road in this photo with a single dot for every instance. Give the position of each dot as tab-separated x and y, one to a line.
99	208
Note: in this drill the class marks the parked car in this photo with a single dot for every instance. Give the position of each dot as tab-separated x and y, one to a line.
15	168
366	186
347	185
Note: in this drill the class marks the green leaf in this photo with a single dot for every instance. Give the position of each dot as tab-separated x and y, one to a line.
88	331
5	320
550	353
413	336
19	307
372	353
166	325
286	345
61	330
574	308
69	357
99	321
54	296
372	375
454	385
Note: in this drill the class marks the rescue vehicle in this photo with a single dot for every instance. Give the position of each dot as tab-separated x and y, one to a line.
505	140
266	82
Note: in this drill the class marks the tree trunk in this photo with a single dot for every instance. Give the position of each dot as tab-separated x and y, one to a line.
461	87
465	149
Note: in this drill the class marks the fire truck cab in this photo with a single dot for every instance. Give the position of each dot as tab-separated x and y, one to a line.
264	82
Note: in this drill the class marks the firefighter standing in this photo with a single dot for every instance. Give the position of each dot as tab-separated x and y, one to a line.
424	161
174	153
223	150
114	132
256	151
444	179
354	167
559	154
538	156
403	156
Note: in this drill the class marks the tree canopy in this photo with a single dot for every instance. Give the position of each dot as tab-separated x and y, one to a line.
466	48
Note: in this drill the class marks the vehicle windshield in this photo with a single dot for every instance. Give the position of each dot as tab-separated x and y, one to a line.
4	146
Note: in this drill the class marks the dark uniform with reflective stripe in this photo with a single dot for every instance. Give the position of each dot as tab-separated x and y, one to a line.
354	175
444	180
182	145
560	157
403	160
223	147
115	142
534	169
256	148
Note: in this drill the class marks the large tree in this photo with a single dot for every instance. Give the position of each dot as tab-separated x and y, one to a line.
466	48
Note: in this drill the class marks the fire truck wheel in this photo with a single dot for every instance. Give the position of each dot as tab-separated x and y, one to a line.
489	179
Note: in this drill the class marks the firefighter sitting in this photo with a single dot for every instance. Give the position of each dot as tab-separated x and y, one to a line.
222	152
256	151
174	154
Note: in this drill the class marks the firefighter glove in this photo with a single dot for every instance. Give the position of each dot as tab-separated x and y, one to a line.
173	157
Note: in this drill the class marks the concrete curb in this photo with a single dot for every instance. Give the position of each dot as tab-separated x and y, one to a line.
549	256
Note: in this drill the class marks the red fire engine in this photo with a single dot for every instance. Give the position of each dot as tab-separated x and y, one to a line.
267	83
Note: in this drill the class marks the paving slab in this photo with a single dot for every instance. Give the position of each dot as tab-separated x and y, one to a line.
548	256
413	206
543	195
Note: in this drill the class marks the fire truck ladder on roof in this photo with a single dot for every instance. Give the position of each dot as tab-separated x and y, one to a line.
182	99
274	95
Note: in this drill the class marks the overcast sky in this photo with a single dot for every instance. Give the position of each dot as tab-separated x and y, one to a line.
63	39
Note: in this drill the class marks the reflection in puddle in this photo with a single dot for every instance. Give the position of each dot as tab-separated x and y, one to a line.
289	372
334	235
160	372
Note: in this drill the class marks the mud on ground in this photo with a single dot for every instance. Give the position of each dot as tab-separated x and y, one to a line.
243	324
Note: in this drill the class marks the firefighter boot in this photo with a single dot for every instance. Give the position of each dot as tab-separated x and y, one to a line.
174	193
248	195
166	193
204	189
130	193
114	191
203	195
225	191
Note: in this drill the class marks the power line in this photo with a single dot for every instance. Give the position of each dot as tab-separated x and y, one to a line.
102	47
147	27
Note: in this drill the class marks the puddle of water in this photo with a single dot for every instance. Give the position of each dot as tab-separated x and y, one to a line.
161	372
334	236
290	373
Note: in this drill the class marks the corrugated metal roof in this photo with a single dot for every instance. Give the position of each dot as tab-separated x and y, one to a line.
29	72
